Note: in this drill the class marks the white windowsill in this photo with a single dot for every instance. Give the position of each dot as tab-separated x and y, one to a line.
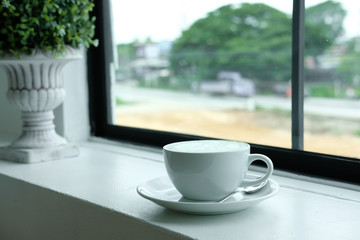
94	196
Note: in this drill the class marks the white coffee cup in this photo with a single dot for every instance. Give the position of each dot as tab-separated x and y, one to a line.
211	169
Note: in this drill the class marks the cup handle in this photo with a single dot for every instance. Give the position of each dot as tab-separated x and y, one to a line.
270	169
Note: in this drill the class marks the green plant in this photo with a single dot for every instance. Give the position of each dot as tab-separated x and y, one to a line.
325	90
28	25
357	133
120	101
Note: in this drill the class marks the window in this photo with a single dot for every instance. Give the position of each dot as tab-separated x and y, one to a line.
197	79
208	70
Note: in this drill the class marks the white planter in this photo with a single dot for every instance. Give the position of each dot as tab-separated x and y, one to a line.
36	88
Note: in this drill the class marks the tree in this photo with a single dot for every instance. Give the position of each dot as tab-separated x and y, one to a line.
348	69
324	24
253	39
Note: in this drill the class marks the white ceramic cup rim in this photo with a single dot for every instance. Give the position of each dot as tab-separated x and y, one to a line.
243	146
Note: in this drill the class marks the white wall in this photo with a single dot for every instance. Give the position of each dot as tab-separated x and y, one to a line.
73	115
71	118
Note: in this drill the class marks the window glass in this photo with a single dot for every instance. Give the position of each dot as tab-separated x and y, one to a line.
332	77
210	68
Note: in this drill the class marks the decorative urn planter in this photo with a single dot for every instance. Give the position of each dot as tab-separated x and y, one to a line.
36	88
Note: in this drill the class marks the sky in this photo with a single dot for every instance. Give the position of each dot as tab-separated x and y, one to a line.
163	20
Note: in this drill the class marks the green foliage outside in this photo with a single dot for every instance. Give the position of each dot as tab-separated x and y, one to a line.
323	90
357	133
323	24
51	25
349	69
326	90
253	39
120	102
233	39
275	111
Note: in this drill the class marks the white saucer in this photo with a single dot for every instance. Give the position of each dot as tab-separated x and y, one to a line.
162	192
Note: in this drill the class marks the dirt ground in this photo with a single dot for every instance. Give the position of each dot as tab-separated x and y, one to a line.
332	136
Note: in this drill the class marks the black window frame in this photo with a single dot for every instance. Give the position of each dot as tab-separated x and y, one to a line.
293	160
